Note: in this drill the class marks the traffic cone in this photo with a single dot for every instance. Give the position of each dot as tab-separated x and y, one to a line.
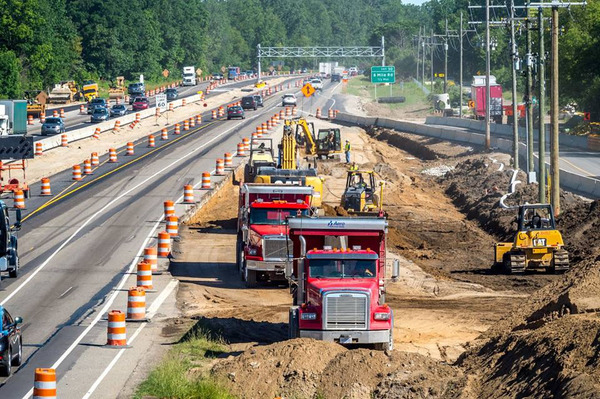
46	187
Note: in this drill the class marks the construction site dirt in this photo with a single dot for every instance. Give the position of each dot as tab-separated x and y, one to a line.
461	329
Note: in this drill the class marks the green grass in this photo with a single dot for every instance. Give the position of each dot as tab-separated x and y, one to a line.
413	94
172	379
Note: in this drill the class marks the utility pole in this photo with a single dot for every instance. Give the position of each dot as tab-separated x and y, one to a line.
446	59
541	102
529	102
487	76
431	52
554	147
418	53
460	78
515	59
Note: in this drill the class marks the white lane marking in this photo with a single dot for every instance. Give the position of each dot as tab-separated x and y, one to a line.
65	293
112	298
151	312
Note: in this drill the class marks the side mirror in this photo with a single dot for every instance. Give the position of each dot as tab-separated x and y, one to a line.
18	320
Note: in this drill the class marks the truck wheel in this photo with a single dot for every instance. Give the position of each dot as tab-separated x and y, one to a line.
240	256
14	272
249	277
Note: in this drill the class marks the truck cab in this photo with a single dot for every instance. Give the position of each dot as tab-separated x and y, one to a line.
9	257
337	279
263	247
189	76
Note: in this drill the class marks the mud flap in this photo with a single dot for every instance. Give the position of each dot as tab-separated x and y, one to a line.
293	323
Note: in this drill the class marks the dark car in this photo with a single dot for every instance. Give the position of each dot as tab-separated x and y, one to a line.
99	115
249	102
118	110
53	126
172	94
96	103
217	76
136	90
11	342
259	100
336	77
141	103
235	112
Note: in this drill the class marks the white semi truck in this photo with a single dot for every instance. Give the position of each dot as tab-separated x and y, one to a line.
189	76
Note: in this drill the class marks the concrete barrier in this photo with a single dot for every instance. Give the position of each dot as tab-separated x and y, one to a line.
574	182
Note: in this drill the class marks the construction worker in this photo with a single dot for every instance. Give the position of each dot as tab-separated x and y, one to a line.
353	167
347	149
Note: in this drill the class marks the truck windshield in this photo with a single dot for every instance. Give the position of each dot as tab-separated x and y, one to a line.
341	268
274	216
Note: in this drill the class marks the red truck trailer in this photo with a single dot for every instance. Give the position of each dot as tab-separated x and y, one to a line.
337	279
262	243
478	98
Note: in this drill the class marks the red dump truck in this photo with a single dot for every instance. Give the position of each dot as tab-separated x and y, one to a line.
262	242
337	279
478	98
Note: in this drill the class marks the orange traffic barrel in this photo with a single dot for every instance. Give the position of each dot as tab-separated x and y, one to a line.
164	134
62	113
87	167
188	194
157	112
55	113
76	172
246	142
132	124
81	109
220	167
64	140
214	114
282	112
254	137
151	141
19	199
259	131
183	102
96	134
112	155
288	111
151	258
198	119
117	331
269	125
169	208
186	125
206	180
192	122
30	119
39	149
144	275
138	117
241	152
330	113
44	384
42	118
172	223
46	187
264	127
136	303
228	160
129	148
94	158
177	129
171	107
117	125
318	113
164	244
294	111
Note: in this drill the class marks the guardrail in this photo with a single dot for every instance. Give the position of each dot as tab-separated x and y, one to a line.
579	184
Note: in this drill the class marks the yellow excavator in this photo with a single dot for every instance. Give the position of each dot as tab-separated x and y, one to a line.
324	143
360	195
537	244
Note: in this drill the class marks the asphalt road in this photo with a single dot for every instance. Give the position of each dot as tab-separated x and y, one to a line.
75	250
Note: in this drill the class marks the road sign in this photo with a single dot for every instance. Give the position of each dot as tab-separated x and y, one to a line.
383	74
308	90
165	73
16	147
161	102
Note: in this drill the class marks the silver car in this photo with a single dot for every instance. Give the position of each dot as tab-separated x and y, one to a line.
118	110
288	100
53	126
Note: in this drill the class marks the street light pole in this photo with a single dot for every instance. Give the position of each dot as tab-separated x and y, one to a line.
487	76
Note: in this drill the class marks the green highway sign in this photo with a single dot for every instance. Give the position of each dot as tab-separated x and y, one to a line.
383	74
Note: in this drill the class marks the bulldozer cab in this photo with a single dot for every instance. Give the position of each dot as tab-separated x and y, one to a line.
261	154
536	217
361	179
329	140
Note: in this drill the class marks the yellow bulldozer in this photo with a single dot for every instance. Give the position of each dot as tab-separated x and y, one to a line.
118	90
323	144
360	195
537	244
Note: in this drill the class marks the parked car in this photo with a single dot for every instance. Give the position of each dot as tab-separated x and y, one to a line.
118	110
172	94
11	342
235	112
99	115
288	100
249	102
141	103
53	126
96	103
259	100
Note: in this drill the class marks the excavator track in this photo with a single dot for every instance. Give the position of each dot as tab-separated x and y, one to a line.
560	261
514	263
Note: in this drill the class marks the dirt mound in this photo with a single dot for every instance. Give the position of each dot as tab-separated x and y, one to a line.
580	226
305	368
409	145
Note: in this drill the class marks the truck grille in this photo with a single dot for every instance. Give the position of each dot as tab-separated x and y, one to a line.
346	311
276	248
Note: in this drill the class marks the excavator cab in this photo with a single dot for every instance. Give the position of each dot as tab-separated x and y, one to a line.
329	141
305	131
537	244
360	195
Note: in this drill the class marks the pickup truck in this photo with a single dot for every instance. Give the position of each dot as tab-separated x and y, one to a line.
317	84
